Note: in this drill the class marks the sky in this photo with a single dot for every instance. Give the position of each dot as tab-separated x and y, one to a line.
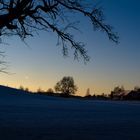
40	64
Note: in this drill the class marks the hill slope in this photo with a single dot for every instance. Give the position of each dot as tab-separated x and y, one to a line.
31	117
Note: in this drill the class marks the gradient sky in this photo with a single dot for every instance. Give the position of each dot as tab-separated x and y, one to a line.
42	63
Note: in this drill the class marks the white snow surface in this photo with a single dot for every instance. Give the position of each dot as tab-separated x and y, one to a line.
36	117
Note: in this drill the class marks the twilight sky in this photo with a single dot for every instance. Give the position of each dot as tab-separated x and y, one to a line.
41	63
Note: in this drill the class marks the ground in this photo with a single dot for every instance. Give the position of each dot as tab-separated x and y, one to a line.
36	117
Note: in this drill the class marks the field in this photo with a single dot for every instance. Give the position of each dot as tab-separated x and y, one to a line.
36	117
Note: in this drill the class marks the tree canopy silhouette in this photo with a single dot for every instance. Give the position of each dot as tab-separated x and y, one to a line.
66	86
23	17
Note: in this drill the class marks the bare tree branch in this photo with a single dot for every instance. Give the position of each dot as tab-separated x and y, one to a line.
20	17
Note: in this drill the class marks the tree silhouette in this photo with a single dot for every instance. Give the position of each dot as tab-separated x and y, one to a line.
88	93
23	17
39	90
118	92
21	88
66	86
50	90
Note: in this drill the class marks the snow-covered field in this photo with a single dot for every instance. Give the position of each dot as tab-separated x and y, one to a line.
35	117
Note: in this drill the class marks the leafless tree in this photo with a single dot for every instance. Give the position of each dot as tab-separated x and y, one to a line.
23	17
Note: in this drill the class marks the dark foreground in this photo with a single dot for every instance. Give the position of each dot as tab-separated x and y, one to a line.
36	117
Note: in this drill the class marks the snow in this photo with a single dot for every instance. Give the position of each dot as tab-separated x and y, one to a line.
35	117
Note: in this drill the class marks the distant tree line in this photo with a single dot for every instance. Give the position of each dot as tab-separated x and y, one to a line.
119	93
66	87
24	88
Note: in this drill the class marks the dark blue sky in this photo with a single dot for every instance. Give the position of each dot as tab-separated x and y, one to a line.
42	65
